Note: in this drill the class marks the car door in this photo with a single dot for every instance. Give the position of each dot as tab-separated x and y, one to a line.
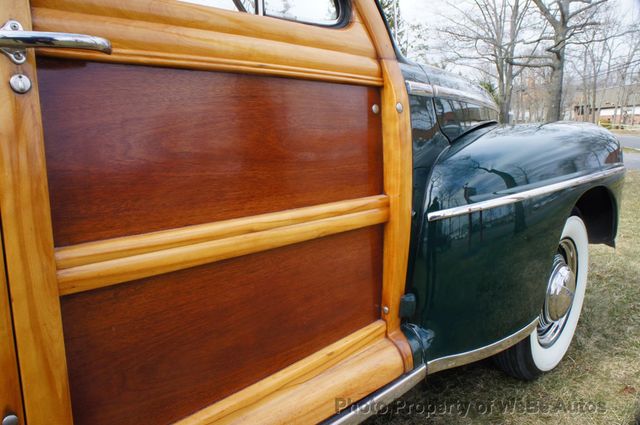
199	209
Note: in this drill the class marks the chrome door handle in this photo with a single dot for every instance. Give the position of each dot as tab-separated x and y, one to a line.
14	41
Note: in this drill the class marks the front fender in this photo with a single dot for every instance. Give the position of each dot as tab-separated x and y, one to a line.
479	277
508	158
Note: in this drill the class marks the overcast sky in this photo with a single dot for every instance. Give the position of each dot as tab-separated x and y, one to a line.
426	11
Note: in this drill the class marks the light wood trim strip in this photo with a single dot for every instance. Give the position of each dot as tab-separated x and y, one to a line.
298	372
314	400
306	391
400	340
351	39
28	243
166	59
95	252
162	44
97	275
10	391
397	145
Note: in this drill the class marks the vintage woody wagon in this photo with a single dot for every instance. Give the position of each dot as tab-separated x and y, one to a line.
241	212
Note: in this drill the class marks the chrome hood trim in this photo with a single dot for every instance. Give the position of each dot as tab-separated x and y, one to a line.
524	195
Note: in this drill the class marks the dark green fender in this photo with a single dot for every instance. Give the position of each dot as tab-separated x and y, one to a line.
477	281
482	276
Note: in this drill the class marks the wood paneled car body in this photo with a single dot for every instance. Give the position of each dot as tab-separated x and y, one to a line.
228	212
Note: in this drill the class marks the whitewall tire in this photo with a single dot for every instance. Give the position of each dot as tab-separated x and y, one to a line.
549	342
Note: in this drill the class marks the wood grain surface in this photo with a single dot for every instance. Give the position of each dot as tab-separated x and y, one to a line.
397	174
313	399
151	149
156	350
135	150
170	33
28	244
10	390
311	367
127	246
106	273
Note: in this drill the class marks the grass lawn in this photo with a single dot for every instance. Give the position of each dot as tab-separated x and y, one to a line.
598	382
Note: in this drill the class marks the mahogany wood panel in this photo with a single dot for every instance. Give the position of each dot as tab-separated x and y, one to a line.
159	349
322	362
313	398
134	149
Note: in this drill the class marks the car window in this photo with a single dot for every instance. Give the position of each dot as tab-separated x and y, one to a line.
324	12
321	12
457	117
248	6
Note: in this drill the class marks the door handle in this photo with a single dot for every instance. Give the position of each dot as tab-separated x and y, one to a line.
14	41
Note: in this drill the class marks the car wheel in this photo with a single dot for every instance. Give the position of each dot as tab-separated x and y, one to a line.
549	342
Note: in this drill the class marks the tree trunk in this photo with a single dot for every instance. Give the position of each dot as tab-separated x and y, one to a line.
508	95
554	99
594	97
505	105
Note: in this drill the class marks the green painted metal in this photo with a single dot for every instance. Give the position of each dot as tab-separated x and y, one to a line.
482	276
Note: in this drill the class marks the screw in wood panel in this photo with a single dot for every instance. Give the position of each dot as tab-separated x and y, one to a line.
10	420
20	83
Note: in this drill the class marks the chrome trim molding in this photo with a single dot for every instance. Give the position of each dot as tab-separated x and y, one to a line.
420	89
429	90
370	405
456	360
454	94
521	196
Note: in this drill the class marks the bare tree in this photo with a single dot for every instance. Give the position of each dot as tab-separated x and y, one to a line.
604	57
567	19
592	61
397	24
530	93
411	38
522	48
488	32
629	67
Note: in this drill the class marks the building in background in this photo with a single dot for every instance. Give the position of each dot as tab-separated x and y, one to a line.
617	106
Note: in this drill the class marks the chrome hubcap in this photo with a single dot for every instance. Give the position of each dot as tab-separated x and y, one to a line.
560	292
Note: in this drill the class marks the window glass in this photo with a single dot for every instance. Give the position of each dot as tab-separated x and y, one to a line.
474	114
317	11
449	119
237	5
457	117
459	112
